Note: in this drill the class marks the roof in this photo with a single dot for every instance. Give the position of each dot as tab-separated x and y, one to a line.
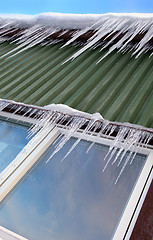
120	87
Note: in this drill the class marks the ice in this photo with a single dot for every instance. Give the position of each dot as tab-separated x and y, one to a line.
144	41
35	41
76	123
92	124
126	138
76	35
3	105
38	28
128	27
127	141
97	126
103	129
124	146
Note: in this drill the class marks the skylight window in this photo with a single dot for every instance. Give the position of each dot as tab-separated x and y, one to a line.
71	197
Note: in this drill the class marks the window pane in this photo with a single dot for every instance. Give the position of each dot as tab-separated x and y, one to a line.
12	141
70	199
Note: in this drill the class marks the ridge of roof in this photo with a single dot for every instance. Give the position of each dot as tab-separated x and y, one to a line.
69	21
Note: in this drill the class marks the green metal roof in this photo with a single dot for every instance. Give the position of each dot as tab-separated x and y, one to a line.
120	87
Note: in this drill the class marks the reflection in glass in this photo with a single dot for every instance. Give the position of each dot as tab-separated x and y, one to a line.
12	141
70	199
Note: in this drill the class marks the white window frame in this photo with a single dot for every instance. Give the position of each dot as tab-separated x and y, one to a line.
42	140
6	234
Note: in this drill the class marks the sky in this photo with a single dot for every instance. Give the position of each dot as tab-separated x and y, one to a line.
75	6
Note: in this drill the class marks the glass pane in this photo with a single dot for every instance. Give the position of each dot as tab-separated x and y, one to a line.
12	141
70	199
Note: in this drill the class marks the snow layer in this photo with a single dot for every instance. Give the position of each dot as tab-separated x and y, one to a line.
60	108
69	21
71	111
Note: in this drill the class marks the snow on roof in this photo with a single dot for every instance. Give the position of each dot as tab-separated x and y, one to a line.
70	21
109	27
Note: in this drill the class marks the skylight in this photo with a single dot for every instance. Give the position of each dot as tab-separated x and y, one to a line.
63	165
71	198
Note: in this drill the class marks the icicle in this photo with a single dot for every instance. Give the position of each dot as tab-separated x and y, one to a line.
26	112
88	45
3	105
92	123
75	125
102	129
120	25
116	144
76	35
35	41
128	138
63	32
125	26
132	138
98	125
17	109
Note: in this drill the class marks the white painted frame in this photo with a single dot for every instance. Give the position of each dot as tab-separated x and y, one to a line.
6	234
42	140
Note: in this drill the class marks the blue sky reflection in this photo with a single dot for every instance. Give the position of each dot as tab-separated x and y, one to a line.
12	141
70	200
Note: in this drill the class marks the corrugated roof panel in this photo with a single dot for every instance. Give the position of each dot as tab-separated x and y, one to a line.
120	87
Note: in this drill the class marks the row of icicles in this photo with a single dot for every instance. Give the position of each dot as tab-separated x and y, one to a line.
108	28
127	138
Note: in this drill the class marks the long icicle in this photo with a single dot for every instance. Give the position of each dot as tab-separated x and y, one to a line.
104	26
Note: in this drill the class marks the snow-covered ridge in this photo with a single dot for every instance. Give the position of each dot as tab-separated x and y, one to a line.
116	30
69	21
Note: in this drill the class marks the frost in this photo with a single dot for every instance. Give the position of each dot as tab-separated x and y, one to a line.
126	138
117	31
